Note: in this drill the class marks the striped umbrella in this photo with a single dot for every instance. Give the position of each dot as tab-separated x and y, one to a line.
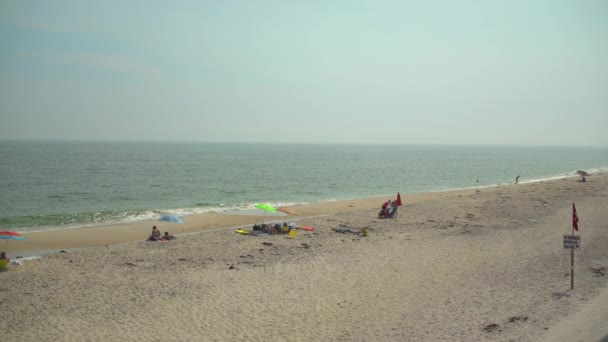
6	235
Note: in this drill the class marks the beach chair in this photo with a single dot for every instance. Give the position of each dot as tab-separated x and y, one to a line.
292	233
3	264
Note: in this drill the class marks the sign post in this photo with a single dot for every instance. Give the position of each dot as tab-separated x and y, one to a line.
571	268
571	242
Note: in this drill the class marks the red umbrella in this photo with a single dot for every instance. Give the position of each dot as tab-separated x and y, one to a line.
398	199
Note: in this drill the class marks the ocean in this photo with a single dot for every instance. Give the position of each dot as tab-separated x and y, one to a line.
57	185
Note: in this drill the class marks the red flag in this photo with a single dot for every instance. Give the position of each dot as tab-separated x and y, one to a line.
574	218
398	199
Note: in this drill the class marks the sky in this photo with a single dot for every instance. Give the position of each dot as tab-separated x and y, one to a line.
389	72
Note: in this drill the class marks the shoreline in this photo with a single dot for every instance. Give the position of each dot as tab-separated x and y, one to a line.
244	211
51	241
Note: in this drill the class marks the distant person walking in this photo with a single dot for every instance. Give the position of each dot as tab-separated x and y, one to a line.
516	179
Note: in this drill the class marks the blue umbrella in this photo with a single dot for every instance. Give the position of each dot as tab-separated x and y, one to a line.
171	218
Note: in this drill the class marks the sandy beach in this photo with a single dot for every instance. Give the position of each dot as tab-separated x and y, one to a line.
471	265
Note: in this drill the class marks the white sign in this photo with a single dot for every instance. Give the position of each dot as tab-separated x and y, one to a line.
572	241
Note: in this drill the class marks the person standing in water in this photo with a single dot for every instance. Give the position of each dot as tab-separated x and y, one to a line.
516	179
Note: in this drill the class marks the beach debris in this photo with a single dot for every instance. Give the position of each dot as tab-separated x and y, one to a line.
267	243
246	256
231	267
560	295
491	327
129	264
599	271
518	318
347	230
62	251
305	245
183	259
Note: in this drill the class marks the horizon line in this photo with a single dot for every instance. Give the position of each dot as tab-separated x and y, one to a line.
51	140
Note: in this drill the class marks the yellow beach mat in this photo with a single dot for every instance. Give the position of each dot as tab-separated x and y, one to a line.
241	231
292	233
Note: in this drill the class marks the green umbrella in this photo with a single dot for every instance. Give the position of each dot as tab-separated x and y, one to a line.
266	207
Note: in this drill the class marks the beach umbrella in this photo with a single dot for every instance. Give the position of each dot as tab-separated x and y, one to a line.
582	173
6	235
398	199
171	218
266	208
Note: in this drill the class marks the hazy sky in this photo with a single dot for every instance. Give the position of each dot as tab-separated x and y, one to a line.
445	72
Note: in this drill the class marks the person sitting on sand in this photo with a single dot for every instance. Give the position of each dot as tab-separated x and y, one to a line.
386	204
168	237
272	228
4	260
393	210
385	209
156	235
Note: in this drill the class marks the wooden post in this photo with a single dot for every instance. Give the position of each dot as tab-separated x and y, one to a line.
572	259
571	268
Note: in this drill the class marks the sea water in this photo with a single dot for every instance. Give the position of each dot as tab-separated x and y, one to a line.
50	185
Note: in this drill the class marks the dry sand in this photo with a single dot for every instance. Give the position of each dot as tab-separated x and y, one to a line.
475	265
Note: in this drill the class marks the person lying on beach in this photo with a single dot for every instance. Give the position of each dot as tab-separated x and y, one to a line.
168	237
271	229
156	235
